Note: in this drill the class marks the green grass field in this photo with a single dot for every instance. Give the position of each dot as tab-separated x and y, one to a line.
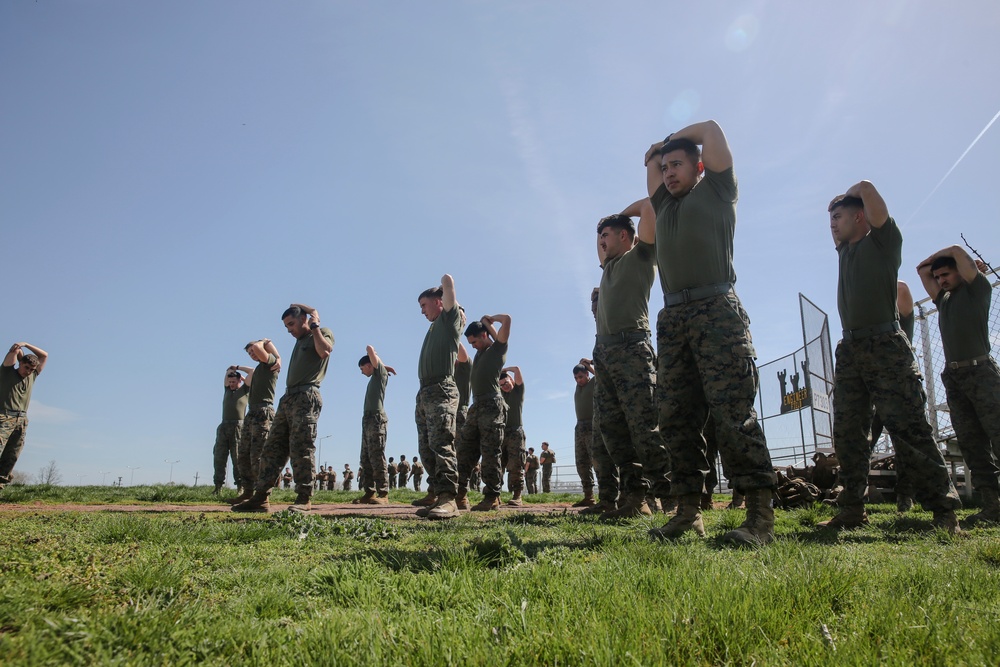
192	588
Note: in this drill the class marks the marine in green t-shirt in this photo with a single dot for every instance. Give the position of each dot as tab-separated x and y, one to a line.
971	377
263	381
374	468
514	454
16	383
875	364
705	356
228	434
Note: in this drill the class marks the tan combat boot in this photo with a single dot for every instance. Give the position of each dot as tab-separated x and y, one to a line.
849	516
427	501
515	500
364	500
601	507
303	503
588	500
947	521
634	505
706	501
487	504
245	495
445	508
737	501
668	504
990	513
758	529
378	499
258	502
462	499
688	517
903	503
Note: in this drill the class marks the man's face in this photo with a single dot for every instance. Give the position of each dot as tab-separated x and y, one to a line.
680	173
257	353
506	384
479	341
431	308
847	225
614	242
367	370
233	382
581	379
24	370
948	278
296	325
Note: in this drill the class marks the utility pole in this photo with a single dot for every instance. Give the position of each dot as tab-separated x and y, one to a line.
104	480
131	480
196	479
171	468
319	454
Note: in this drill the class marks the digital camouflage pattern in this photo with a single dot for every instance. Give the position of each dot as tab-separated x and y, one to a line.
227	446
583	438
292	438
437	404
482	438
608	481
255	428
882	370
514	456
374	469
12	432
706	365
625	405
974	402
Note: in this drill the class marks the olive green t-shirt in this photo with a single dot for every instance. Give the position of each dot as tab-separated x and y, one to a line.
964	318
625	285
463	378
375	393
234	403
263	382
694	234
305	366
515	401
486	369
866	291
440	348
15	391
584	400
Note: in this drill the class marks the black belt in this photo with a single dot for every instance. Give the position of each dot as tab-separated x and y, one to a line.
868	332
622	338
300	388
15	413
438	379
696	294
260	406
975	361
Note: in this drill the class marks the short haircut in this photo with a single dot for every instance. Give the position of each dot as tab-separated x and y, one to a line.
943	262
232	375
364	360
531	449
690	148
294	311
846	201
476	328
432	293
30	360
617	221
580	368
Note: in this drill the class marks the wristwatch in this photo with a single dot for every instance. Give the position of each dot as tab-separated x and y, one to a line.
314	325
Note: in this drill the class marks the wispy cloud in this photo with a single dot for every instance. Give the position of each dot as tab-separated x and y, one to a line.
38	411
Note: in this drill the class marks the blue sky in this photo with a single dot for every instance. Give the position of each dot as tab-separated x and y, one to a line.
173	174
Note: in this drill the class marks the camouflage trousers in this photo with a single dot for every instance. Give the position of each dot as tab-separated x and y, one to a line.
227	446
706	365
583	439
625	407
403	476
903	485
437	404
547	478
482	437
608	481
974	402
292	438
513	458
374	471
882	370
255	427
460	417
417	479
531	480
12	432
392	478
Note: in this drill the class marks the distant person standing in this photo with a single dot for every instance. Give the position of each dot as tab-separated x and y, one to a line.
514	453
531	466
16	384
373	430
286	479
404	471
293	433
331	479
583	434
875	365
547	459
391	473
263	380
971	377
437	400
227	435
417	472
348	476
